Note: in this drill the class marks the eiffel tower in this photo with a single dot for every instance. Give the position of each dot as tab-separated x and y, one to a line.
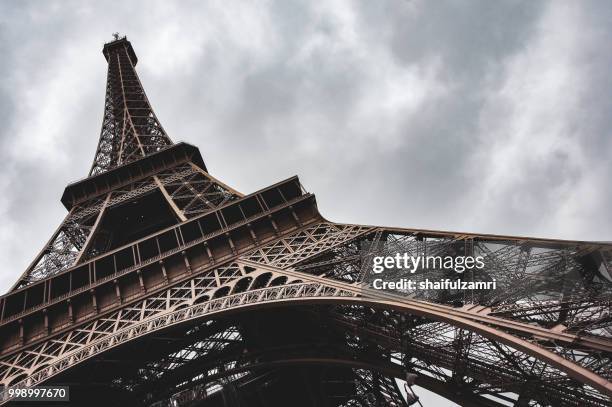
163	286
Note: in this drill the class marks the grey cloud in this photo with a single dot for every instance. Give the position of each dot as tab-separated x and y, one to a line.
397	113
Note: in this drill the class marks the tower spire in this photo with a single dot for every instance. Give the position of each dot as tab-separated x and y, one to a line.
130	129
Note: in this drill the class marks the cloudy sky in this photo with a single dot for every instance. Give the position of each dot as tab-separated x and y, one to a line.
468	116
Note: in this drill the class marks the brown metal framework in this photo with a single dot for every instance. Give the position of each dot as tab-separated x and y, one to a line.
130	129
165	287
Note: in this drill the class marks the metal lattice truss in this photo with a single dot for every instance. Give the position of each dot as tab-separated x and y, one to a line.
374	389
482	350
215	354
371	389
305	244
195	192
157	313
219	341
196	290
62	250
189	190
130	129
555	287
463	361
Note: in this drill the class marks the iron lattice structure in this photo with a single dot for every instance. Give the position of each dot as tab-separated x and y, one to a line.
165	287
130	129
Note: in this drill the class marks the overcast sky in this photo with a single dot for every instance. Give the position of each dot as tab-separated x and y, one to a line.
468	116
471	116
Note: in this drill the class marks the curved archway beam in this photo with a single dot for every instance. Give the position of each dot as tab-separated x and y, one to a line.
307	293
506	324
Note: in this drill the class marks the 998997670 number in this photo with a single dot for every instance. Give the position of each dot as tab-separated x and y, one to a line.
37	393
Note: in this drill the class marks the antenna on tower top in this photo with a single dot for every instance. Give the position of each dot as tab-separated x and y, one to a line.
116	36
